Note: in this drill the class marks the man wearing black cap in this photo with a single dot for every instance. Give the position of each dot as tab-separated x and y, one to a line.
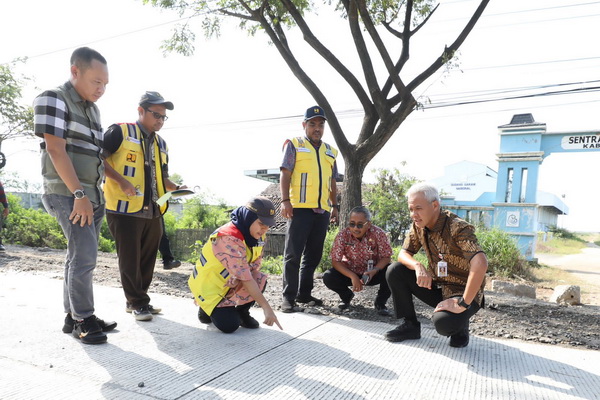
136	177
308	199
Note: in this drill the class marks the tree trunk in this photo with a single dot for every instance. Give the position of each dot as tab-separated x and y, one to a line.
351	195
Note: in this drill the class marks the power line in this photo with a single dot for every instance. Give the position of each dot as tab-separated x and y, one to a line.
552	93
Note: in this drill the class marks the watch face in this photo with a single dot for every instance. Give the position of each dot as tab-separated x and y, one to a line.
79	194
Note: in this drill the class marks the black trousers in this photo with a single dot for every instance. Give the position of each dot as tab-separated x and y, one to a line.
137	241
340	283
304	241
403	284
227	319
165	246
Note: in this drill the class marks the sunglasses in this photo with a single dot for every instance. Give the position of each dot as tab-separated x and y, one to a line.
359	226
157	115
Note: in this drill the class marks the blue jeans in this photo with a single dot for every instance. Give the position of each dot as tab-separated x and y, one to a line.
82	251
304	241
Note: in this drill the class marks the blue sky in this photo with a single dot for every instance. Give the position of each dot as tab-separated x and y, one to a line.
236	101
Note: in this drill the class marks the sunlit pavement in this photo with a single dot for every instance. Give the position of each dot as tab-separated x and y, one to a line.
315	357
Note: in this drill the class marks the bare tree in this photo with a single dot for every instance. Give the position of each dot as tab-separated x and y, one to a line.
386	105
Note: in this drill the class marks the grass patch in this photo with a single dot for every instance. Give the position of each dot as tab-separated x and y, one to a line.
560	246
593	237
544	275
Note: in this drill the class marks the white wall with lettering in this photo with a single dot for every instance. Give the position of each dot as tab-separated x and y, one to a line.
466	181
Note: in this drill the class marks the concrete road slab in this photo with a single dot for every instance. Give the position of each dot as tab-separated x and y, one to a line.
315	357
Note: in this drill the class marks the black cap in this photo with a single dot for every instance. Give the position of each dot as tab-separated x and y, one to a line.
155	98
314	112
264	208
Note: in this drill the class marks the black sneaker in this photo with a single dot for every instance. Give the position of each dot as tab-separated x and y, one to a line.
142	314
153	310
203	316
409	330
382	310
247	320
309	300
171	264
105	326
460	339
88	331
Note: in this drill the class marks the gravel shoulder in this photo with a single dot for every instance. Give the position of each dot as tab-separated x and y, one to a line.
504	316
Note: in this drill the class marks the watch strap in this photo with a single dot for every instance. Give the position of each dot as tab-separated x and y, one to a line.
462	303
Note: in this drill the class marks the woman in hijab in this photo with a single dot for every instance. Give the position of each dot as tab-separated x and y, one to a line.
227	281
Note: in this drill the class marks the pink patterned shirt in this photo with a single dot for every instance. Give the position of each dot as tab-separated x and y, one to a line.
231	252
355	254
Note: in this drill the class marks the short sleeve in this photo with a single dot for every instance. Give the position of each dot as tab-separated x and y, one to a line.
384	247
412	244
50	115
113	137
289	156
337	250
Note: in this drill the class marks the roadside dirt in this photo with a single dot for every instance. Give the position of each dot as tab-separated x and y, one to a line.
505	316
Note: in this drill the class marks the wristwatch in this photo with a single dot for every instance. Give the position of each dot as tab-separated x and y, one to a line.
79	194
462	303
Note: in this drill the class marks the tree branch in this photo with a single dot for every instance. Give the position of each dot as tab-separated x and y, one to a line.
309	84
448	52
385	56
327	55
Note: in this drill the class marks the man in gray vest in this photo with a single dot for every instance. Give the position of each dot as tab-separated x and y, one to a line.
72	167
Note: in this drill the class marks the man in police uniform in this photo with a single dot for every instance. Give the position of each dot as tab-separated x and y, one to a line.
136	177
309	200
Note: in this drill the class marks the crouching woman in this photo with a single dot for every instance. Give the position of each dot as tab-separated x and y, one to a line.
227	281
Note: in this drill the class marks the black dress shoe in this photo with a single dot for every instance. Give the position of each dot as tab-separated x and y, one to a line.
171	264
408	330
309	300
460	339
382	310
289	306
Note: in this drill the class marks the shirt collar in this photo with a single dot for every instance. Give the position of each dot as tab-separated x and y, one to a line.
144	131
75	97
316	146
439	224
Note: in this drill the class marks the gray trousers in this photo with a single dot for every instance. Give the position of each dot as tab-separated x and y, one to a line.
82	251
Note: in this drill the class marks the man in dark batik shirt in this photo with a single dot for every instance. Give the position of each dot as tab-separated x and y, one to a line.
452	282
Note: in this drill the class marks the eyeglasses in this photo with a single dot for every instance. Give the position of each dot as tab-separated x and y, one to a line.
157	115
359	226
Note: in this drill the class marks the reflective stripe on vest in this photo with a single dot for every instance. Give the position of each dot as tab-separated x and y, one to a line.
311	178
128	161
207	281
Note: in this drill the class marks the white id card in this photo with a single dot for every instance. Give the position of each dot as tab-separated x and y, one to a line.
442	269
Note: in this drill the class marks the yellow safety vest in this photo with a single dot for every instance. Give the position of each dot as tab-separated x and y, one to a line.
128	161
209	276
311	178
